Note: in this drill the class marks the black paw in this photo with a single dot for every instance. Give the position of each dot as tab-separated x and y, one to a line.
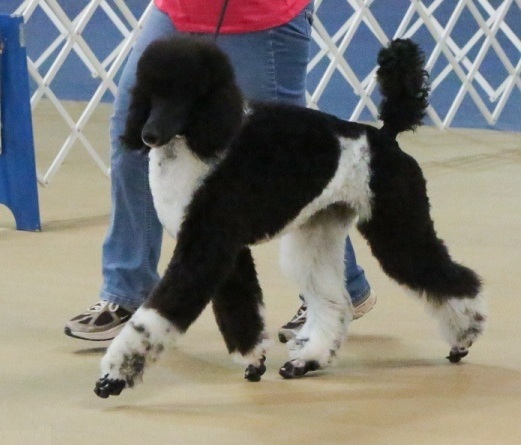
456	354
289	370
254	373
106	387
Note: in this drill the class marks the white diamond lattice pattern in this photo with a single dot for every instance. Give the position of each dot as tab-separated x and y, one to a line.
473	52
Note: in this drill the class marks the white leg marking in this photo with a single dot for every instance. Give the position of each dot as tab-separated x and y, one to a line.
140	343
256	356
461	320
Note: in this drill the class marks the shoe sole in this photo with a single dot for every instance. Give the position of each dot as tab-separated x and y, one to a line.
94	336
365	307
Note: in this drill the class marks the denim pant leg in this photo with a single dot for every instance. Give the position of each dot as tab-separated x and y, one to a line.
355	280
133	243
271	65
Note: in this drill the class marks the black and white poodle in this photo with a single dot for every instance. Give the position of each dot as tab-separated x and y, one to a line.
224	178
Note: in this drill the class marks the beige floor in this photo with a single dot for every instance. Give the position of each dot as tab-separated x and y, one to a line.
391	385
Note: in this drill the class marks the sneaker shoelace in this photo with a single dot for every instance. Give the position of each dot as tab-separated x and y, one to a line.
101	305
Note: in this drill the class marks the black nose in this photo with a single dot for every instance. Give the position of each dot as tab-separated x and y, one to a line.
150	137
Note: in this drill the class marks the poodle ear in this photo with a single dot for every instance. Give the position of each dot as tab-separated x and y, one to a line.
137	116
215	120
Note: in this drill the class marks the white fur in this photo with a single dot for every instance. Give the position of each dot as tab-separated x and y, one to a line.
144	336
313	256
461	320
175	173
255	356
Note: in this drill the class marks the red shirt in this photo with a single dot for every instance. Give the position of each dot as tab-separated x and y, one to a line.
241	15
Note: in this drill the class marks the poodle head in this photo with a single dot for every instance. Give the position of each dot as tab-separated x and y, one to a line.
184	86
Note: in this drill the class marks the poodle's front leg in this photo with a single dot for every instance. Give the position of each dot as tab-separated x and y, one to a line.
202	260
140	343
238	310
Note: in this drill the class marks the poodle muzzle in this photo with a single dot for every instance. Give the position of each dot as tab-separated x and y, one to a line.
163	124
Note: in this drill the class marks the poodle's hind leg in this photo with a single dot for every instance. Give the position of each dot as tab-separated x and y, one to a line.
140	343
313	256
238	310
402	237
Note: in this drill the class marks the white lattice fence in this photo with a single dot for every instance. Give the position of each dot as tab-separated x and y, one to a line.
457	35
70	40
460	60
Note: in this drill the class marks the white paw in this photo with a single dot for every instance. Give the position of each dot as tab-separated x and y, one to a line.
140	343
257	355
462	320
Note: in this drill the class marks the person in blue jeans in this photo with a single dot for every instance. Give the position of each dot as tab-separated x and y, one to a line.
270	61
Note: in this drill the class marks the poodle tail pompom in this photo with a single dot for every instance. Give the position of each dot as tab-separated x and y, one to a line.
403	85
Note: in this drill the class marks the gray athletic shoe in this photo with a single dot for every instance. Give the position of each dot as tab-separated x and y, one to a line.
292	327
103	321
290	330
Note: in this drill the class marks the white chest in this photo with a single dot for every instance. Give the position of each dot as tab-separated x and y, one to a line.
174	175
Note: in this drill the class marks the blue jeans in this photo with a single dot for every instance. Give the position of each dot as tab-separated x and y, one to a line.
270	65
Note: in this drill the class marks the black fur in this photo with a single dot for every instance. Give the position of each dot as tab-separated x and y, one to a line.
269	165
401	234
404	90
205	105
238	322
